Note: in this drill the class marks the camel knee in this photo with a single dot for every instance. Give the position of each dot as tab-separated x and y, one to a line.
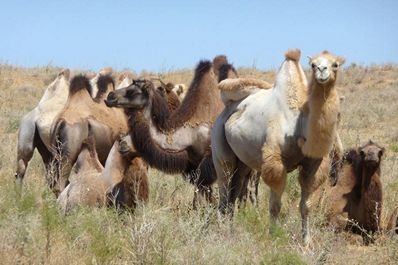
21	169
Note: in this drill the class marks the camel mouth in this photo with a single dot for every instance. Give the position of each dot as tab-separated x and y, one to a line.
110	103
323	80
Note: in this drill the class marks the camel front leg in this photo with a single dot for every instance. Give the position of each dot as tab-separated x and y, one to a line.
312	175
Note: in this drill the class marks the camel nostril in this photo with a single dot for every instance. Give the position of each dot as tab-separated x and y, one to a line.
111	96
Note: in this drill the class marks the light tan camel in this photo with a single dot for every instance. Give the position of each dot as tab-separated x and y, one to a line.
260	127
34	130
123	181
71	127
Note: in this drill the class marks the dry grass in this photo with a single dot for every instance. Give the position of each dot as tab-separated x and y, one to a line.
166	230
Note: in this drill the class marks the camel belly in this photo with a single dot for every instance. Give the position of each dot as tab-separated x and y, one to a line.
246	129
260	119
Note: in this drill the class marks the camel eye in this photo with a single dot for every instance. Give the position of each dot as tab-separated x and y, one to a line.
362	153
380	153
130	93
313	65
335	65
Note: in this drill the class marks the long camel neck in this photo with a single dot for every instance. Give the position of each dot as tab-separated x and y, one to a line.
170	161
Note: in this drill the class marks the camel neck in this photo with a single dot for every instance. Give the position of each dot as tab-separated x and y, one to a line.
367	174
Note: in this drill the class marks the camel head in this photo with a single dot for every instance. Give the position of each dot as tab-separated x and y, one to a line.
325	66
371	154
136	96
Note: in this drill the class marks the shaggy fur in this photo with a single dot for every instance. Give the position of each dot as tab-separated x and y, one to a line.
78	83
226	71
165	160
103	83
358	193
219	61
323	105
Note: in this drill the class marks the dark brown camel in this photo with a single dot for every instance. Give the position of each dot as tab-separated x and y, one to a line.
173	142
71	127
355	203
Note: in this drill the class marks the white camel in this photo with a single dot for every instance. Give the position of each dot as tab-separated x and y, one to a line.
260	129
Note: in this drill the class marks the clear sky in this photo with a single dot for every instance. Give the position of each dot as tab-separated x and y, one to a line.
165	35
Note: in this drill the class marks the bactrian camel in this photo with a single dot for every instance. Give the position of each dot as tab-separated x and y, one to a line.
35	127
260	128
123	181
71	127
355	202
173	142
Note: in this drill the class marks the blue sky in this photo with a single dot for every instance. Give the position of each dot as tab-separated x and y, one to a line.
166	35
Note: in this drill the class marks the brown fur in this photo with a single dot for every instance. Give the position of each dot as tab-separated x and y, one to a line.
166	160
219	61
105	84
357	195
78	83
202	103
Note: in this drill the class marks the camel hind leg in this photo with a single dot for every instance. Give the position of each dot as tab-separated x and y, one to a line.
26	145
274	175
312	175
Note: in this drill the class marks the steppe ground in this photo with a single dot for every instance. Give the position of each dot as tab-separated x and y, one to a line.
167	230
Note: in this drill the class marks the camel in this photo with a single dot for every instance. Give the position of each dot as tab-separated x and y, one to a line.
393	223
34	130
123	181
173	142
167	91
261	126
71	127
355	203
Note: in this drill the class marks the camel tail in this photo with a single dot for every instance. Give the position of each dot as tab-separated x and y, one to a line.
207	172
293	54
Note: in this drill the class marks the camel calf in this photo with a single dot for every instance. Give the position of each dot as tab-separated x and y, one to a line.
355	202
123	181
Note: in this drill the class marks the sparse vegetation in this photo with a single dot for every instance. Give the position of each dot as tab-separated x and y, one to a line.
167	230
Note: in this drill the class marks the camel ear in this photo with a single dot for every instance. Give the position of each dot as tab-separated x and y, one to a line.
340	60
309	59
65	72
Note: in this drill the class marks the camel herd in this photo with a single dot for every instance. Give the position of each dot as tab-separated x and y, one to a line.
97	140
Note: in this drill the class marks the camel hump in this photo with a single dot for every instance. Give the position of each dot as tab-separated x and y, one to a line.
65	72
235	84
106	71
79	82
218	61
293	54
235	89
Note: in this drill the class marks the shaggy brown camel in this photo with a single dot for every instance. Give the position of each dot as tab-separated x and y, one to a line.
259	129
173	142
123	181
355	203
71	127
34	130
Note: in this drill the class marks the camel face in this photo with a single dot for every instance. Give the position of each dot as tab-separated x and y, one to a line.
325	66
371	154
135	96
